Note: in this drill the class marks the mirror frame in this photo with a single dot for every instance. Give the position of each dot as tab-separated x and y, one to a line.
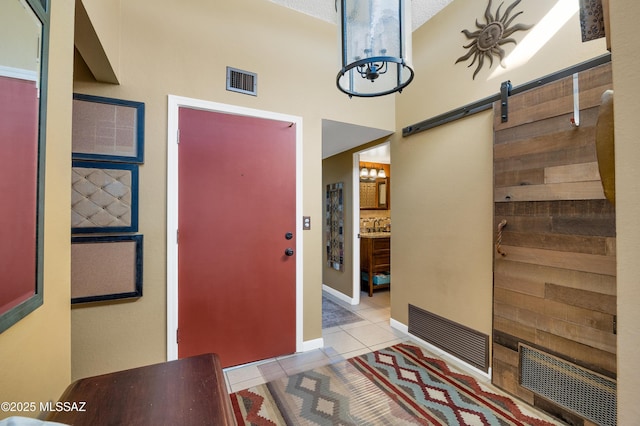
42	11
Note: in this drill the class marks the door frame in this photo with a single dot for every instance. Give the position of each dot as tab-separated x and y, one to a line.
355	220
174	104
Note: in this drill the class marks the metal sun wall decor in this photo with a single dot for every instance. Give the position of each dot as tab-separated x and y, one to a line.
486	41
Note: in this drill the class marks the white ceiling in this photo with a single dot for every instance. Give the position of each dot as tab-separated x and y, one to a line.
421	10
338	137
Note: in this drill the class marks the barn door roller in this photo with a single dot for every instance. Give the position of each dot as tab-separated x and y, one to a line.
505	92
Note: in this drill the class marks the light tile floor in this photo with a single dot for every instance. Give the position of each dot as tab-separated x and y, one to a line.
347	341
342	342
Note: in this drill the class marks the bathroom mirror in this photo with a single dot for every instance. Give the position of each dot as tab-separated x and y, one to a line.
24	26
383	194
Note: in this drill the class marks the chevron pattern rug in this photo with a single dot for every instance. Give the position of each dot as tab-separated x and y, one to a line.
398	385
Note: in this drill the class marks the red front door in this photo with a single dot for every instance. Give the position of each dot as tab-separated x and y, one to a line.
236	220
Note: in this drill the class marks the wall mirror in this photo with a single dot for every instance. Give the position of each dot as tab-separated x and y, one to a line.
24	28
383	194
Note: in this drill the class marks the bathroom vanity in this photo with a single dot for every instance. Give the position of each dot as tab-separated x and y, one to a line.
375	260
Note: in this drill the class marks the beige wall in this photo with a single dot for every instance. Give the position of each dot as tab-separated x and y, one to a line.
97	37
183	48
442	257
441	254
105	20
35	353
626	63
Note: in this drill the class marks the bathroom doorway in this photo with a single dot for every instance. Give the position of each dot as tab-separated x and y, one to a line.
372	222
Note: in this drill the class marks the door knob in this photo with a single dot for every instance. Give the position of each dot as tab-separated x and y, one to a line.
288	235
288	251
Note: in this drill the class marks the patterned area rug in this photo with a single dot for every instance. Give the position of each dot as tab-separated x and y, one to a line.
334	315
398	385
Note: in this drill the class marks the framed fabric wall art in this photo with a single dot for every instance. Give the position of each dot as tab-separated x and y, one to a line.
104	197
106	129
106	268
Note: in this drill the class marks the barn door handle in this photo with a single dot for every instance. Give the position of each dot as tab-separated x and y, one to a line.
288	251
499	250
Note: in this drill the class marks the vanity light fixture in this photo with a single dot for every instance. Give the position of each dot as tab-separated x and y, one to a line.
372	173
375	41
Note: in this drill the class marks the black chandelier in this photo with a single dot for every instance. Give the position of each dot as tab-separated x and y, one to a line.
375	40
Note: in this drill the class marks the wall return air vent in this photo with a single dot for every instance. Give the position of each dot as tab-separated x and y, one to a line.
242	81
462	342
576	388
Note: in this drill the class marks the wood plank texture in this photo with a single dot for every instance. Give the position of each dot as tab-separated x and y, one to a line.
551	191
546	127
556	287
576	153
550	135
605	265
532	279
559	242
584	172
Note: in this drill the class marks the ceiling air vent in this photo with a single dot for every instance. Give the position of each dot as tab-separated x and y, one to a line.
242	81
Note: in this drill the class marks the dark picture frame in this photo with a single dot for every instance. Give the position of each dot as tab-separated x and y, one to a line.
106	268
107	129
104	197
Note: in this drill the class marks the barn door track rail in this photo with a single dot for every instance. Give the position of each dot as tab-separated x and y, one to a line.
506	91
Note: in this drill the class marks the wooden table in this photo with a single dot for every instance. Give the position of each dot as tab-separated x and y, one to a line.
189	391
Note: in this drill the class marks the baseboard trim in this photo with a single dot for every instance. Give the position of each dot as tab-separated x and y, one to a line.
310	345
338	295
399	326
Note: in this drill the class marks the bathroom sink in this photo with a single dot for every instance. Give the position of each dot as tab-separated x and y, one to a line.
375	234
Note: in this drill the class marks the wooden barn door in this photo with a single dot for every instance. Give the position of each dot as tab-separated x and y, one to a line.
555	260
